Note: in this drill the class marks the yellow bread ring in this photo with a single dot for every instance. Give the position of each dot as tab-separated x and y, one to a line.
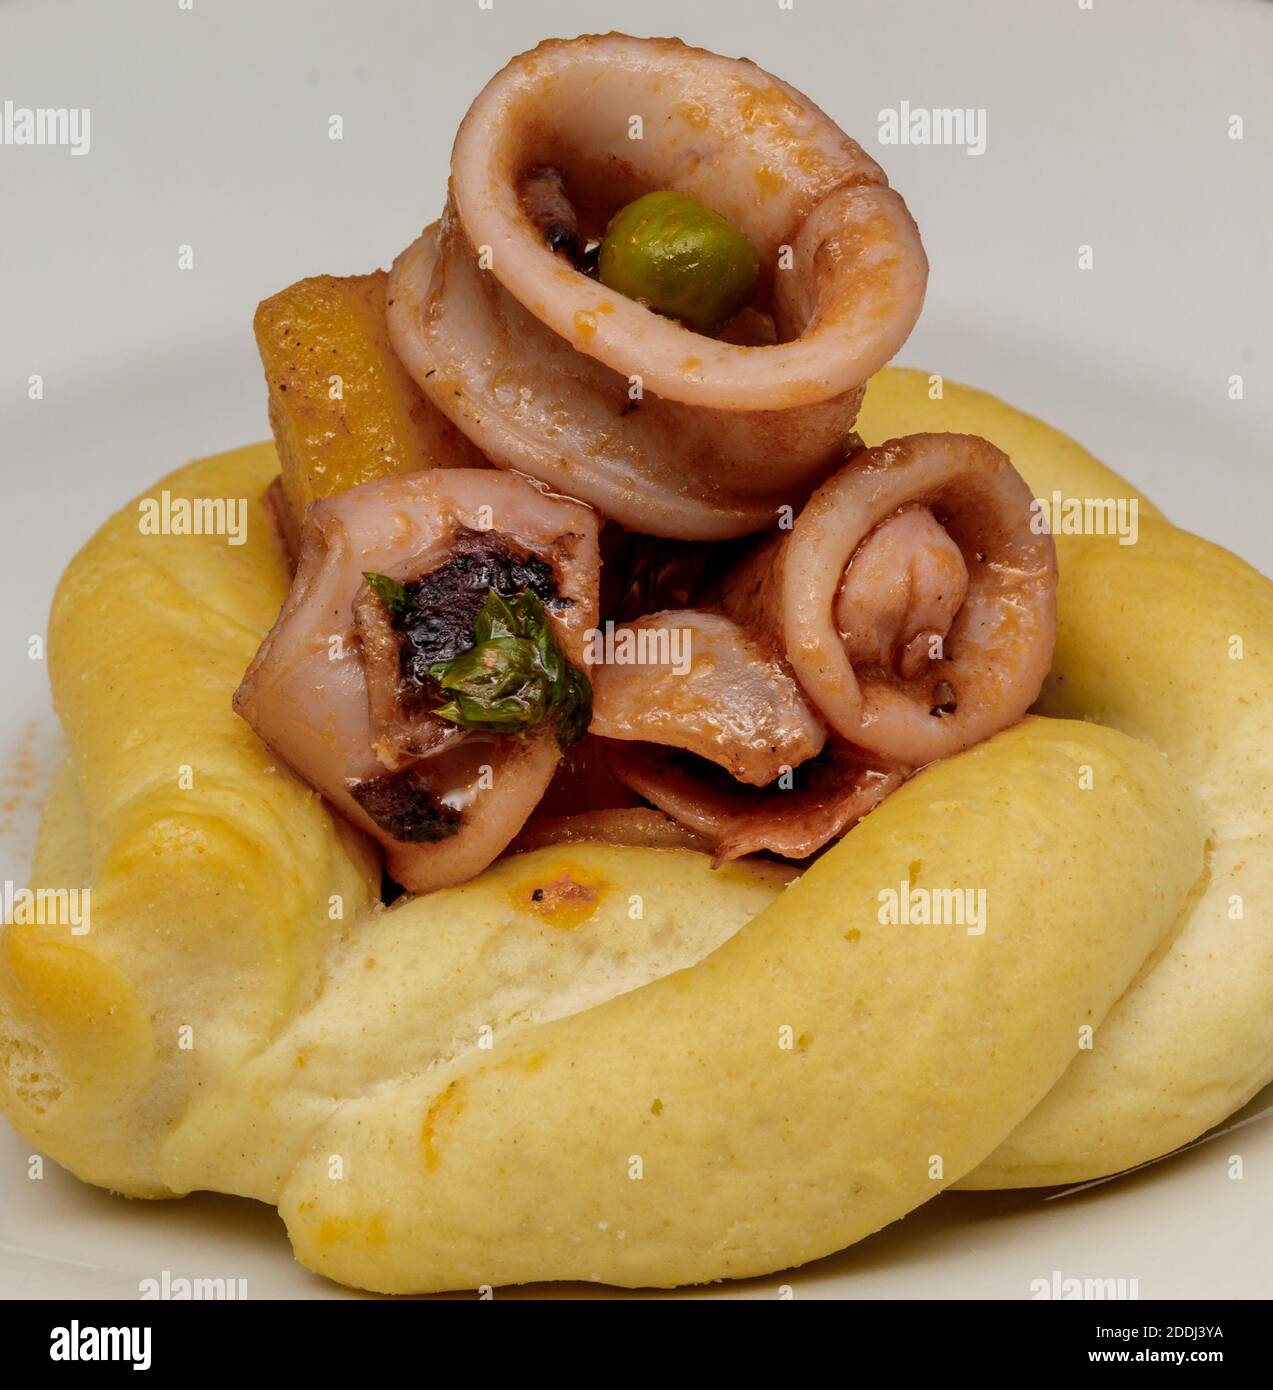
669	1136
406	1154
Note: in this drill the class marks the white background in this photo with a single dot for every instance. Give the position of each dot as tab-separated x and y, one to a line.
1107	127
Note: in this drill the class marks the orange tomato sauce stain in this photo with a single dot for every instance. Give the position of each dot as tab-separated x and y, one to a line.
693	113
769	181
535	1062
369	1230
565	897
769	106
449	1099
18	779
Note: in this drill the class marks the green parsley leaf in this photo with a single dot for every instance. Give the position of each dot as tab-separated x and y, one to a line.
395	598
515	676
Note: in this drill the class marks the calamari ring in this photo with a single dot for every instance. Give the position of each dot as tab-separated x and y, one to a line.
313	690
748	145
998	647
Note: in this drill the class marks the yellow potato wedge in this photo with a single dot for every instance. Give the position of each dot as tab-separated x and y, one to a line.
342	407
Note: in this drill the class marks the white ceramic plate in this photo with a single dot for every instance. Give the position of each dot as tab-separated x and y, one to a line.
1106	126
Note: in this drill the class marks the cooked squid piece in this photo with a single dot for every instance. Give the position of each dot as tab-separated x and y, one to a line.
665	430
912	600
723	741
586	802
697	681
639	827
820	801
340	688
901	593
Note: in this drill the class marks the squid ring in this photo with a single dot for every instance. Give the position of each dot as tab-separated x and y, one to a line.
442	801
992	660
538	364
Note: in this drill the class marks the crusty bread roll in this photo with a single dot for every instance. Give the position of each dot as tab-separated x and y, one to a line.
620	1064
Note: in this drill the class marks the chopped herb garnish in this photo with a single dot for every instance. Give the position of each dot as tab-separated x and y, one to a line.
515	676
395	598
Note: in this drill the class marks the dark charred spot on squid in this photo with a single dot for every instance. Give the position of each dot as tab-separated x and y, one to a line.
543	193
443	605
402	806
562	240
944	700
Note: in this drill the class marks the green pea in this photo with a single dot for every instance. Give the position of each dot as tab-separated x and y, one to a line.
681	259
